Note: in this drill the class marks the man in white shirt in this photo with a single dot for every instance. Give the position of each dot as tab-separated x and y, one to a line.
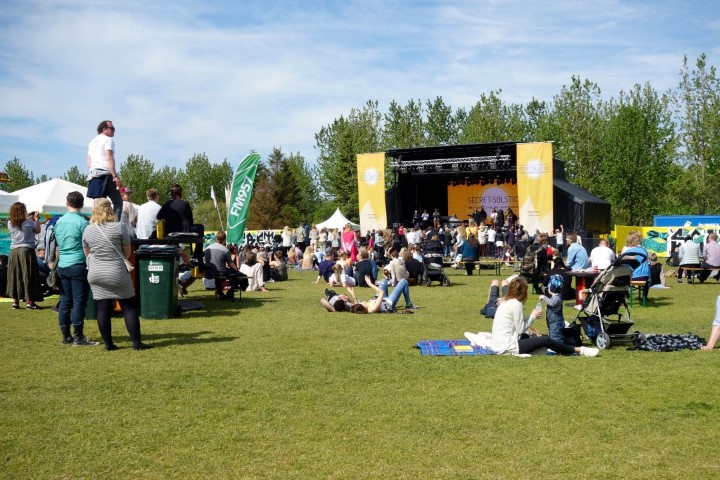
147	215
103	179
602	256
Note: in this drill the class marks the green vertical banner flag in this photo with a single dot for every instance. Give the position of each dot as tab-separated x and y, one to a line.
240	195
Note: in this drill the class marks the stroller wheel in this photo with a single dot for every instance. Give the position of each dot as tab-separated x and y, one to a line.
445	281
603	341
428	281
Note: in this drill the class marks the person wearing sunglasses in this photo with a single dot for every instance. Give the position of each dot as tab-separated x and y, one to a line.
103	180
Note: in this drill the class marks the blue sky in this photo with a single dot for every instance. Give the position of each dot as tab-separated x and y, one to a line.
228	77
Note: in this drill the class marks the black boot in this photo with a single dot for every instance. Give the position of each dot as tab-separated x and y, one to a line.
67	339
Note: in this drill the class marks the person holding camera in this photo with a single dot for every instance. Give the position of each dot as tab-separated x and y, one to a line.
23	279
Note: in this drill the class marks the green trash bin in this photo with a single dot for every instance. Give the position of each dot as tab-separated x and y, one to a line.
156	281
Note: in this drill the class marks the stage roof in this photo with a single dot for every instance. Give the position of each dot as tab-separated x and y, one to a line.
453	151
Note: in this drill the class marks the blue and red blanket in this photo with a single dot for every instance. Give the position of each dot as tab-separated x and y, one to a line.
450	347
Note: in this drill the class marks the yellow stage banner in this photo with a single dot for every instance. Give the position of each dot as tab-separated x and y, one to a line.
535	185
464	199
371	191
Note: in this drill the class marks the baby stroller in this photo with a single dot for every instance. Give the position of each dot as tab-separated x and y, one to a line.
604	310
433	269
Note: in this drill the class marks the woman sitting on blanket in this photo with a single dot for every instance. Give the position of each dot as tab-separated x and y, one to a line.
509	324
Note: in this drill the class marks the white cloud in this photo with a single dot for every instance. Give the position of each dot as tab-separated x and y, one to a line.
223	78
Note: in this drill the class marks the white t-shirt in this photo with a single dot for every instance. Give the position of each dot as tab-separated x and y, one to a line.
491	236
146	219
601	257
96	151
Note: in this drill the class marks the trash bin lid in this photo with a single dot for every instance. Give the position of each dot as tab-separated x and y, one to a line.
156	250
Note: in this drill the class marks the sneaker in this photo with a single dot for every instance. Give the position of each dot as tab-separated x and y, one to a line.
82	341
111	347
15	306
142	346
67	340
411	307
32	306
679	279
589	352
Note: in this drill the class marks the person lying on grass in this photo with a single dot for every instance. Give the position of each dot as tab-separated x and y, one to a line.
381	303
509	324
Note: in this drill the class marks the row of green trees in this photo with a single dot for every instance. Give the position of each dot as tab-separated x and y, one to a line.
644	151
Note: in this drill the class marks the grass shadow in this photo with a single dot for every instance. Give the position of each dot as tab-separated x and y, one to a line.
191	338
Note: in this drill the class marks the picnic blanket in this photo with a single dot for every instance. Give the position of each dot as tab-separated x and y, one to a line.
668	343
450	347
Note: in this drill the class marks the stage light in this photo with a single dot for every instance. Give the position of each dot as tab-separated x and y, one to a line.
474	167
438	168
403	169
421	169
455	167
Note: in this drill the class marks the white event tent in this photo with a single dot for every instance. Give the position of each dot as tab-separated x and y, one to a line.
337	220
50	196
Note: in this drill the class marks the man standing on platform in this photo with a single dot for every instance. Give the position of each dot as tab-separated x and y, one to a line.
103	180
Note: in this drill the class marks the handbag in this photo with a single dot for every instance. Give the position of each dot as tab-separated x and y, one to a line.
128	264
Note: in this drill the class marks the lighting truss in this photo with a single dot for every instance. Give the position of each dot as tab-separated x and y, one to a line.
484	163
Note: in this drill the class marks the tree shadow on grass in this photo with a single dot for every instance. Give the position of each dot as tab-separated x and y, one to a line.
191	338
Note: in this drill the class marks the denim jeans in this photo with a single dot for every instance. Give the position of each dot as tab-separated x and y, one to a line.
74	290
402	288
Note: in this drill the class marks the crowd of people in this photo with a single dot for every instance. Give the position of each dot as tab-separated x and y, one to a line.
93	256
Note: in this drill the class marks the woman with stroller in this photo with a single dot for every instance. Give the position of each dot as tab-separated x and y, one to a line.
510	323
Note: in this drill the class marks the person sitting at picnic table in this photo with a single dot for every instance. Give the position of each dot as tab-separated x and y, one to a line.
510	323
711	258
689	257
219	267
470	253
602	256
577	257
632	246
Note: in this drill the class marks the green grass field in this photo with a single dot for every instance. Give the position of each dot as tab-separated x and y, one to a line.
275	387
